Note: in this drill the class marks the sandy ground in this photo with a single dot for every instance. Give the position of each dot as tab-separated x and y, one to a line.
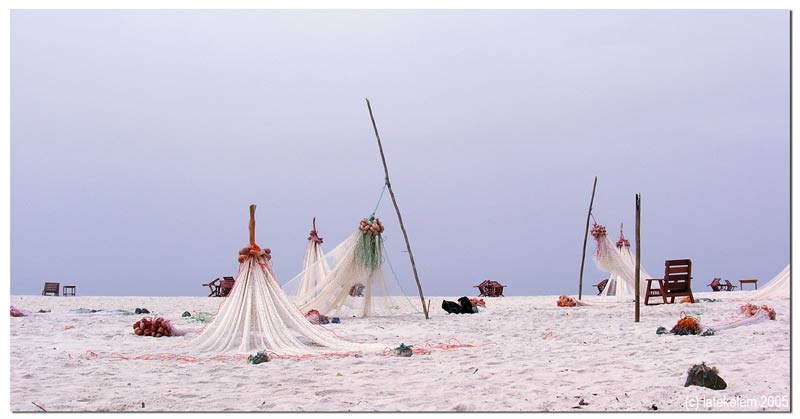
528	355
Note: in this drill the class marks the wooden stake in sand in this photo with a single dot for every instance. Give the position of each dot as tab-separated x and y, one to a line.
638	252
586	237
399	217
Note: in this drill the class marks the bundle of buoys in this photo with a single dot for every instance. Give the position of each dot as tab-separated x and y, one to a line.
598	230
313	236
566	301
316	317
687	325
15	312
750	310
153	327
478	302
254	251
371	226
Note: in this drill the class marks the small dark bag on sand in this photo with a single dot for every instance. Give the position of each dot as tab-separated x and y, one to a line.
451	307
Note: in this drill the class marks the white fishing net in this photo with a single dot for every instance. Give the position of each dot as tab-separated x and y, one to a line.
778	288
621	267
258	316
315	267
349	281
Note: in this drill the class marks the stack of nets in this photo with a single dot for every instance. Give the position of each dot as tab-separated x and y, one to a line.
687	325
566	301
752	310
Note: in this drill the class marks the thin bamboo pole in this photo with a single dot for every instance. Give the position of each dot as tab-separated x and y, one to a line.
585	238
399	217
638	251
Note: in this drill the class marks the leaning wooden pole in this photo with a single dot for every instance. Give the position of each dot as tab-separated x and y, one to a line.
399	217
638	252
585	238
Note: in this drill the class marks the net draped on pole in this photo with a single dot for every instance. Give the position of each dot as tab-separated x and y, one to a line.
257	315
315	267
354	284
617	261
778	288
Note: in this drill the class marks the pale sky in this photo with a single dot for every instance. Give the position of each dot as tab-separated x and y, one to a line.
139	138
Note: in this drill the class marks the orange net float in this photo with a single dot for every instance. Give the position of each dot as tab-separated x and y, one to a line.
750	310
255	251
687	325
566	301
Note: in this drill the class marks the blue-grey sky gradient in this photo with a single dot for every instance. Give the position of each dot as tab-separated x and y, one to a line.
139	138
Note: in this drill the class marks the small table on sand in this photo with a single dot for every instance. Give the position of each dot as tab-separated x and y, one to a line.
747	281
68	290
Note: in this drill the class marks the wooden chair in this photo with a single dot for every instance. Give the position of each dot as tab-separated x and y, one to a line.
715	284
226	286
601	286
357	290
677	282
728	286
214	287
51	288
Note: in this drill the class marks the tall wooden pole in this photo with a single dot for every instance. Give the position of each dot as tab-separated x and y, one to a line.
399	217
585	238
252	224
638	252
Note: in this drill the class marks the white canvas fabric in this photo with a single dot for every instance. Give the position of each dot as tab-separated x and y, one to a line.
778	288
258	316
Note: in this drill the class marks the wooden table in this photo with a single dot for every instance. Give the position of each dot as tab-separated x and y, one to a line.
68	290
747	281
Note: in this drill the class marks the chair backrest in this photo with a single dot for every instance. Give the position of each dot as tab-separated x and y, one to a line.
228	278
715	282
51	287
677	274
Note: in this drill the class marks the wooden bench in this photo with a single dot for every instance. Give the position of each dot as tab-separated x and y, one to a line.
51	288
677	282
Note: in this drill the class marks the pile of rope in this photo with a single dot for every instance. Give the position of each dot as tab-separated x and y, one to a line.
371	226
566	301
751	310
687	325
254	251
153	327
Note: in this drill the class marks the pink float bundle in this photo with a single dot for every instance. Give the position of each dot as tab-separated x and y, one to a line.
153	327
373	227
254	251
751	310
478	302
316	317
15	312
566	301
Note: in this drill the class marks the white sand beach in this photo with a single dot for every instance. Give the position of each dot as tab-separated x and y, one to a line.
527	355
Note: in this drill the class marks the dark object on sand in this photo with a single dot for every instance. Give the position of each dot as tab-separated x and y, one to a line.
708	332
704	376
403	350
335	320
141	311
466	306
661	331
258	358
451	307
186	314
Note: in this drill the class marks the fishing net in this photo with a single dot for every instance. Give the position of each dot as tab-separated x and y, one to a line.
687	325
617	261
257	315
350	280
778	288
315	267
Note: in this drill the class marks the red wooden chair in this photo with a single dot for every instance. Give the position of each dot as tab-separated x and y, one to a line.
601	286
51	288
715	284
214	287
226	286
677	282
728	286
